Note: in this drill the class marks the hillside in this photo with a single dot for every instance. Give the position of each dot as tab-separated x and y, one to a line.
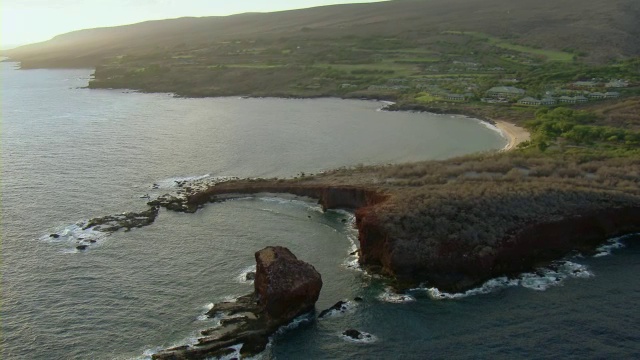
600	30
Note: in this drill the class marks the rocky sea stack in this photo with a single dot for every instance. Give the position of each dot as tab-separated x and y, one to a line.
285	288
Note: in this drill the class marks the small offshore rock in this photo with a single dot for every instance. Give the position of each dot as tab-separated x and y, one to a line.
55	236
250	276
352	333
337	307
358	299
82	247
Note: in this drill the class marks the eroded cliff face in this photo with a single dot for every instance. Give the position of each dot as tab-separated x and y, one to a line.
330	197
453	266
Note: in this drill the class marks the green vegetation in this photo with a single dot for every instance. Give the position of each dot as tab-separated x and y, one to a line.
551	55
564	127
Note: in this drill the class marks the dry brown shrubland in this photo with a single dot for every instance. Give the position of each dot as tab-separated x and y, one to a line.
476	201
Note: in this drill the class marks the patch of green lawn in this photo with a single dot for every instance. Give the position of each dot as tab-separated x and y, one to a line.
552	55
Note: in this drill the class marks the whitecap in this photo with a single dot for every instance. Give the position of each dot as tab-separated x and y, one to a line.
204	316
242	278
612	244
540	280
147	354
302	319
547	277
75	235
391	296
235	354
353	263
486	288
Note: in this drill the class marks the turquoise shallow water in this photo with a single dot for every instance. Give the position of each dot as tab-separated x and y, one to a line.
69	154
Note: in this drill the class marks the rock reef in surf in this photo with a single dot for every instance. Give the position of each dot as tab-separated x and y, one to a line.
285	288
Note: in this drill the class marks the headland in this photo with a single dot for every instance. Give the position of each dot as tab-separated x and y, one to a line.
457	223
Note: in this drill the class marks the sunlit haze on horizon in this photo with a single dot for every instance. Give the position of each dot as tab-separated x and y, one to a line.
29	21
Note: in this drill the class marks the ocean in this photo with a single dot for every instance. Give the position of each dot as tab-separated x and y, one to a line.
70	154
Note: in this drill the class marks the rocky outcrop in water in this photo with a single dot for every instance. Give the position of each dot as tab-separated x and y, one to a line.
337	307
173	203
285	288
97	228
358	336
127	221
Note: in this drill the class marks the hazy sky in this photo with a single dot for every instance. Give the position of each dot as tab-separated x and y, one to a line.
28	21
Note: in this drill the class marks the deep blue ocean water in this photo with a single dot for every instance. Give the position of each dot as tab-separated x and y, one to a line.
69	154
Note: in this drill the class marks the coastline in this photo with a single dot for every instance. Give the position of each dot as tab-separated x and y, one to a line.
514	134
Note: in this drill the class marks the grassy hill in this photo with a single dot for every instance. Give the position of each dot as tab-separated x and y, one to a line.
599	30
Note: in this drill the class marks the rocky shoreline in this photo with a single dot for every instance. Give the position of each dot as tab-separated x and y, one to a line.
449	224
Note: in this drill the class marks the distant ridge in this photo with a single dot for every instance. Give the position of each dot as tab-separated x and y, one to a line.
603	29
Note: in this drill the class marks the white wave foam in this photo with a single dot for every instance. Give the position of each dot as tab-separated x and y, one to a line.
75	235
242	278
203	317
486	288
540	280
493	127
353	263
612	244
385	105
172	183
235	354
302	319
147	354
363	338
391	296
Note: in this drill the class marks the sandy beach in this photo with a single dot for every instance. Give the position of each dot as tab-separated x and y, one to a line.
515	134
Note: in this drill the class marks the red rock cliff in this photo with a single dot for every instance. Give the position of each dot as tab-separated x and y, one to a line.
285	286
